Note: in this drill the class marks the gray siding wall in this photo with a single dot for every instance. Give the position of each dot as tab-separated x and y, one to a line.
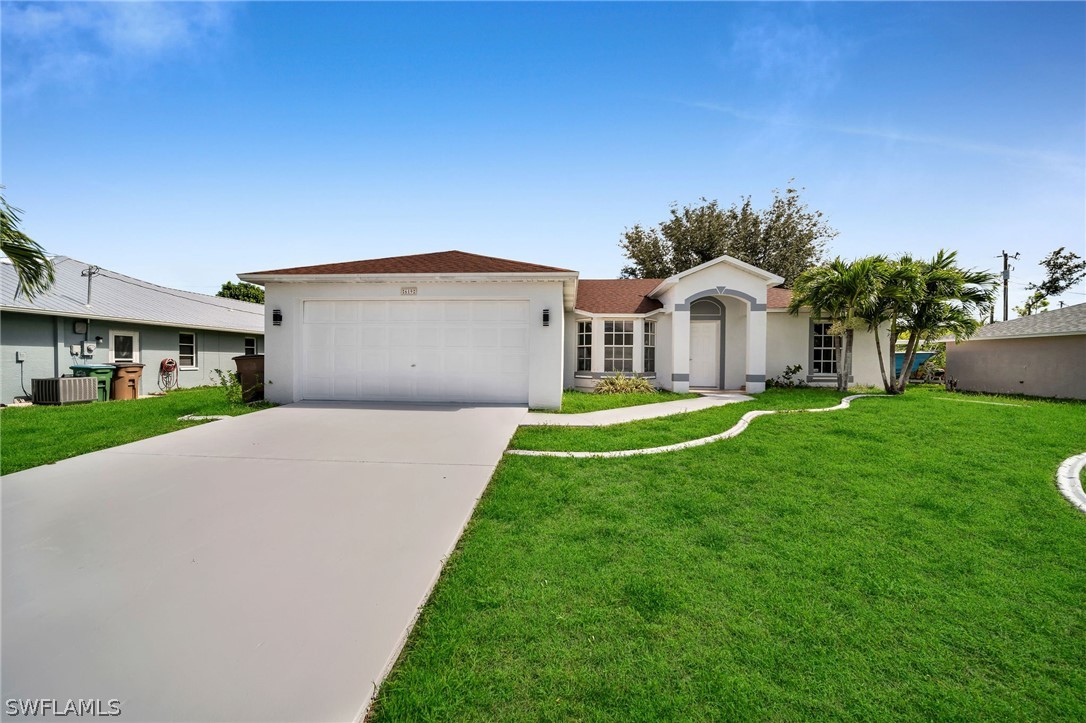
45	342
1051	366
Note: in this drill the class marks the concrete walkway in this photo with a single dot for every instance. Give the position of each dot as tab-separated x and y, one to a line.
1069	480
260	568
607	417
734	431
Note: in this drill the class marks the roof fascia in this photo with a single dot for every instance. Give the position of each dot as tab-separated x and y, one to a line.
771	279
127	320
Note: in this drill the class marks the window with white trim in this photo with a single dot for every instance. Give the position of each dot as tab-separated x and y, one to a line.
618	346
186	350
584	346
250	345
823	350
650	347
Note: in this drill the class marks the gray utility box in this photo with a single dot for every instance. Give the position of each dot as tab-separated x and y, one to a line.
64	390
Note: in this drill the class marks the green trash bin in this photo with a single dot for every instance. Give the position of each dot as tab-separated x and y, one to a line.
104	372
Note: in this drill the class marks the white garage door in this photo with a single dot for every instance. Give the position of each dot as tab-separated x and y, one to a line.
415	350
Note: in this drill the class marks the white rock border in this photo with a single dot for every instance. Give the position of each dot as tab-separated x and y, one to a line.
735	431
1069	480
202	417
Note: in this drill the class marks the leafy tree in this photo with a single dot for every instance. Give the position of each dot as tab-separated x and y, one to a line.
31	263
840	290
1063	269
786	238
242	292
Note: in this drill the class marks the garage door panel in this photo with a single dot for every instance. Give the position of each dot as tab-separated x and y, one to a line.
346	312
416	350
319	312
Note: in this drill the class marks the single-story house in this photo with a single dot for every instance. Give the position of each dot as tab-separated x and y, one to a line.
459	327
93	315
1041	355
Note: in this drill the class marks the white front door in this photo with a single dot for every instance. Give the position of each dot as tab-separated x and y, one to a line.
705	354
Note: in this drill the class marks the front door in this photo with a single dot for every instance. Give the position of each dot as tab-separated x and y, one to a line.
705	354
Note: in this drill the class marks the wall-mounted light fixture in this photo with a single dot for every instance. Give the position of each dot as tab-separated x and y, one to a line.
546	317
277	317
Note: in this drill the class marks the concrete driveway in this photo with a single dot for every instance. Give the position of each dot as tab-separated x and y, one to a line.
259	568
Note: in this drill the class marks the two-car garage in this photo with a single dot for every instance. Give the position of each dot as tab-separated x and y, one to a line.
416	350
447	327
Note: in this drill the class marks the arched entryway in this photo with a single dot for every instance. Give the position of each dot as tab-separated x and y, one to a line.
708	319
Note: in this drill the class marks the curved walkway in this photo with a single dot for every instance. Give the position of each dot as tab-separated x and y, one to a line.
607	417
1069	480
735	431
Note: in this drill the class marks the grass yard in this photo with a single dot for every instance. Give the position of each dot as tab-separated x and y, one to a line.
579	402
669	430
907	558
31	436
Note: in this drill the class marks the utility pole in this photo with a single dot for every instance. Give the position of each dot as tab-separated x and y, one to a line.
1006	281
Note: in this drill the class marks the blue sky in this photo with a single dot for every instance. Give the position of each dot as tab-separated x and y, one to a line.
183	143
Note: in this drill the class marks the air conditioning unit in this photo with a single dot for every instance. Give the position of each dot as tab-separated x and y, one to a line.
64	390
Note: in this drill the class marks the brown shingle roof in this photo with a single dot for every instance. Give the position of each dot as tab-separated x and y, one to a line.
778	298
630	296
442	262
616	296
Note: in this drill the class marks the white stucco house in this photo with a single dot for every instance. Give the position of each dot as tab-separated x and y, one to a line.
460	327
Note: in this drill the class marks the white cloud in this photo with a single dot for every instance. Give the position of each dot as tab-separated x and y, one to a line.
791	58
1059	161
77	45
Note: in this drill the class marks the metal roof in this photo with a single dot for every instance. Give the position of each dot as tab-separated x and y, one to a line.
1055	322
120	297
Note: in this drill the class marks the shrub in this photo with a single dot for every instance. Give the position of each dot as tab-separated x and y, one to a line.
230	384
788	379
622	384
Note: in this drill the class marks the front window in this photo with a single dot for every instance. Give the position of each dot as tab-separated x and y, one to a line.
618	346
250	346
823	351
650	347
584	346
186	350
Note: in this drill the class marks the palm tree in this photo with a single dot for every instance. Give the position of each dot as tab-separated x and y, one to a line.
945	300
898	283
839	290
31	263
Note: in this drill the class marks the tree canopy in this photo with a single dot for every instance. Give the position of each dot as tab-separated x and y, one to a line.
786	238
31	263
1063	269
242	292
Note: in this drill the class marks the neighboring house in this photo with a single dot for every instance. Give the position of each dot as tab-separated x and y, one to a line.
126	320
1042	355
459	327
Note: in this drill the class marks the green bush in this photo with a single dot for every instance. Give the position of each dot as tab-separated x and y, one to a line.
622	384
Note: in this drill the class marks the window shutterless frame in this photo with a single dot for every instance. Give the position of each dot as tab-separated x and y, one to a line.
618	346
584	346
650	348
823	350
250	345
186	350
124	346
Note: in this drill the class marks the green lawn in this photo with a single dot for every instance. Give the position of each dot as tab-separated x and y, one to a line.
30	436
907	558
669	430
579	402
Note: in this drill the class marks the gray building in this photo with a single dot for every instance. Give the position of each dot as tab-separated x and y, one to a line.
123	319
1042	355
